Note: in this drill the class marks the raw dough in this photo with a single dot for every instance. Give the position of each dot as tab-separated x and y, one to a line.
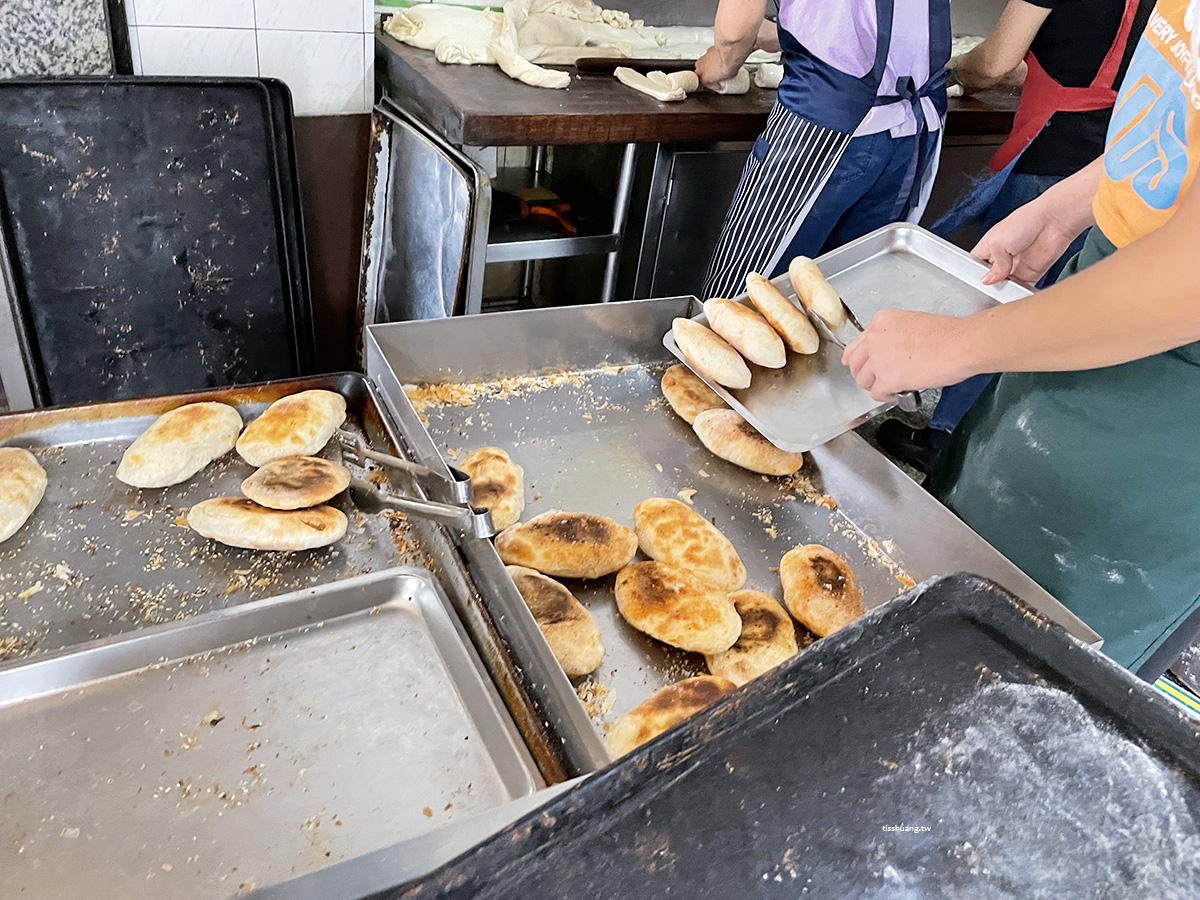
769	75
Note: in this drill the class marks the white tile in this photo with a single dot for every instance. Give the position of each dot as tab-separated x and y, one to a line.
135	50
325	71
197	51
309	15
196	13
369	72
370	17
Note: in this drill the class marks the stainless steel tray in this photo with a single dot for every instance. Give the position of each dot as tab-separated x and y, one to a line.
249	746
596	435
99	557
813	399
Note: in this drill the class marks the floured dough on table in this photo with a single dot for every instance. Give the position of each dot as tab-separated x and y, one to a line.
498	484
455	34
666	709
671	532
727	435
768	638
239	522
674	606
769	76
819	589
569	629
297	425
296	482
179	444
22	486
687	394
568	545
738	84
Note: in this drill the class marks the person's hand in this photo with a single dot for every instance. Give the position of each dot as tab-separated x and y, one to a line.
1023	246
712	69
908	351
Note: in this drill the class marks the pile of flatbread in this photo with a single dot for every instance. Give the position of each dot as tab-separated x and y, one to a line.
688	593
284	506
738	334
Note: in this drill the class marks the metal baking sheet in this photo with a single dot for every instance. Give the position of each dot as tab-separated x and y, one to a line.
99	557
813	399
596	435
249	746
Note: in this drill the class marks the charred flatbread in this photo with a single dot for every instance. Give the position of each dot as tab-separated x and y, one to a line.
768	638
239	522
296	482
568	545
672	605
298	425
819	589
569	629
179	444
671	532
498	483
666	709
687	394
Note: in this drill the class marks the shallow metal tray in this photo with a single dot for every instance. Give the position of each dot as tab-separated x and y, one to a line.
813	399
250	745
99	557
597	436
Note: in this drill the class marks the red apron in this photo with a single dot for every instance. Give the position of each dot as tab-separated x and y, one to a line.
1042	96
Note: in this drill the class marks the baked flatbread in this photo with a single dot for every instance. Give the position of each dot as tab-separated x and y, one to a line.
666	709
22	486
299	425
815	292
673	606
790	323
568	545
710	354
499	484
746	331
671	532
569	629
296	482
768	638
239	522
687	394
179	444
732	438
819	589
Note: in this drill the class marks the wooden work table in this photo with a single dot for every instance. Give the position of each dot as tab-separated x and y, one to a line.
481	106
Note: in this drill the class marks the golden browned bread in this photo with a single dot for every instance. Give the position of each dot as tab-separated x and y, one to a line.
299	425
665	710
710	355
790	323
732	438
22	486
570	630
746	331
815	292
179	444
296	482
239	522
819	589
568	545
669	531
687	394
673	606
768	638
499	484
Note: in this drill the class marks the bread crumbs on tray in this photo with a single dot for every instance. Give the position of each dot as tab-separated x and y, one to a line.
597	699
454	452
686	495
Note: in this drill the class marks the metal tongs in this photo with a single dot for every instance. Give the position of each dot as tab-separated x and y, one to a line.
470	521
909	401
456	489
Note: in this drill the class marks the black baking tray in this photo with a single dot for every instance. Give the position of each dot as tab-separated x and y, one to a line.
951	744
153	234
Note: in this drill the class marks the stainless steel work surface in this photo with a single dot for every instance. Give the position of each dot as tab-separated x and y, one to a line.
573	394
98	557
249	746
813	398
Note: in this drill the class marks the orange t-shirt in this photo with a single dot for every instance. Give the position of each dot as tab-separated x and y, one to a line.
1153	147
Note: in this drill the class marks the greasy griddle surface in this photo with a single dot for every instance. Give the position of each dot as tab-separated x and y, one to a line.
602	441
99	558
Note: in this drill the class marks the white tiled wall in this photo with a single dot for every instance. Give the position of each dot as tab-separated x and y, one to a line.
322	49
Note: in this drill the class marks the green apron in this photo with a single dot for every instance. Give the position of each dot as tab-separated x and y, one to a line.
1090	482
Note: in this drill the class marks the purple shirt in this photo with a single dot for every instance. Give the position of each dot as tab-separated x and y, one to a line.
842	34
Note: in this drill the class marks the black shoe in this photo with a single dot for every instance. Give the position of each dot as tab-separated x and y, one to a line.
919	447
